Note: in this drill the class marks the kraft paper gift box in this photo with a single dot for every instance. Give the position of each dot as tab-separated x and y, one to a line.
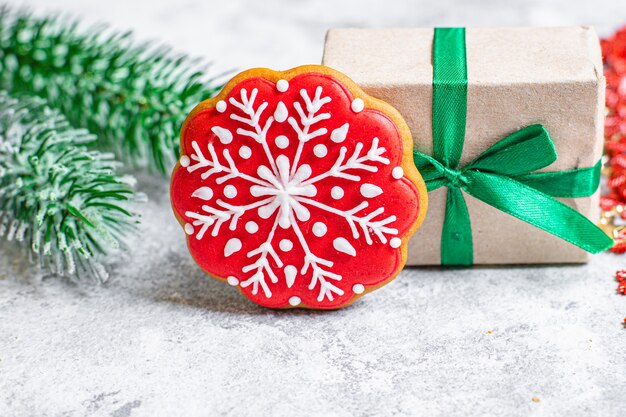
516	77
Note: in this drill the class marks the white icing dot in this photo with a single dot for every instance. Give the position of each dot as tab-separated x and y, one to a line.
319	229
342	245
189	228
252	227
232	281
224	135
290	275
285	245
295	301
281	113
230	191
221	106
282	85
370	190
320	150
339	135
204	193
184	161
245	152
336	192
395	242
233	245
397	172
358	288
282	141
358	105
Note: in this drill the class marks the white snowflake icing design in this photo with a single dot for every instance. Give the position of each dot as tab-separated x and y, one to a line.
285	190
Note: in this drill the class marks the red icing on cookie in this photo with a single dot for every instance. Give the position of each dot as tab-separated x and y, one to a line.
296	191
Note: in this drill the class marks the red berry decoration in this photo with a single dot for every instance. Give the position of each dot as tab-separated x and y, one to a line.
620	277
614	56
298	188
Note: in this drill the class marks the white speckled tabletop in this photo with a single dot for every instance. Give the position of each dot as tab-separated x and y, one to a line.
161	340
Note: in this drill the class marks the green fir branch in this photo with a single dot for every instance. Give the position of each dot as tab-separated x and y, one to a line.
62	199
134	98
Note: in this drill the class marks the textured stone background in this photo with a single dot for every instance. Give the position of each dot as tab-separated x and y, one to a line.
160	339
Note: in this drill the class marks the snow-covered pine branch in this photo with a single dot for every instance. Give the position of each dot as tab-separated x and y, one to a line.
59	196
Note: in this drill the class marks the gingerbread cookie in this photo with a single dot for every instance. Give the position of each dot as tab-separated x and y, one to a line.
298	188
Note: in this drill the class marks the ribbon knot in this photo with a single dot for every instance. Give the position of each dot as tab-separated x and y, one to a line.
455	177
503	175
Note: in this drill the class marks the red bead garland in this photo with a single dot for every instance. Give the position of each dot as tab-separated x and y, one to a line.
620	277
614	55
612	204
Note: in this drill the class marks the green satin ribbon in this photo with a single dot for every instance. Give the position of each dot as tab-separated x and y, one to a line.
502	176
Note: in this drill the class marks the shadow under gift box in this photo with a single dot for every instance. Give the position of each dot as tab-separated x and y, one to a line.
516	77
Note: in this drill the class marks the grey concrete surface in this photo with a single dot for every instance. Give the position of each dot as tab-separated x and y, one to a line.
161	340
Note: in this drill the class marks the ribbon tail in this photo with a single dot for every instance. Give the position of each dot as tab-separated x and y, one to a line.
581	182
456	236
537	209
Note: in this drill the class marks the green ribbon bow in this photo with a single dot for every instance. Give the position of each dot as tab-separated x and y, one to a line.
502	175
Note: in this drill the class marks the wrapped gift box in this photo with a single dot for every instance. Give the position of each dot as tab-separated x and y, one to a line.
516	77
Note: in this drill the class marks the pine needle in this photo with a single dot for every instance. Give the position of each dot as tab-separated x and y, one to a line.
133	98
57	196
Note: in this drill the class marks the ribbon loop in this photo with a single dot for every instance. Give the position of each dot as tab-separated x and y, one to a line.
502	176
521	152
